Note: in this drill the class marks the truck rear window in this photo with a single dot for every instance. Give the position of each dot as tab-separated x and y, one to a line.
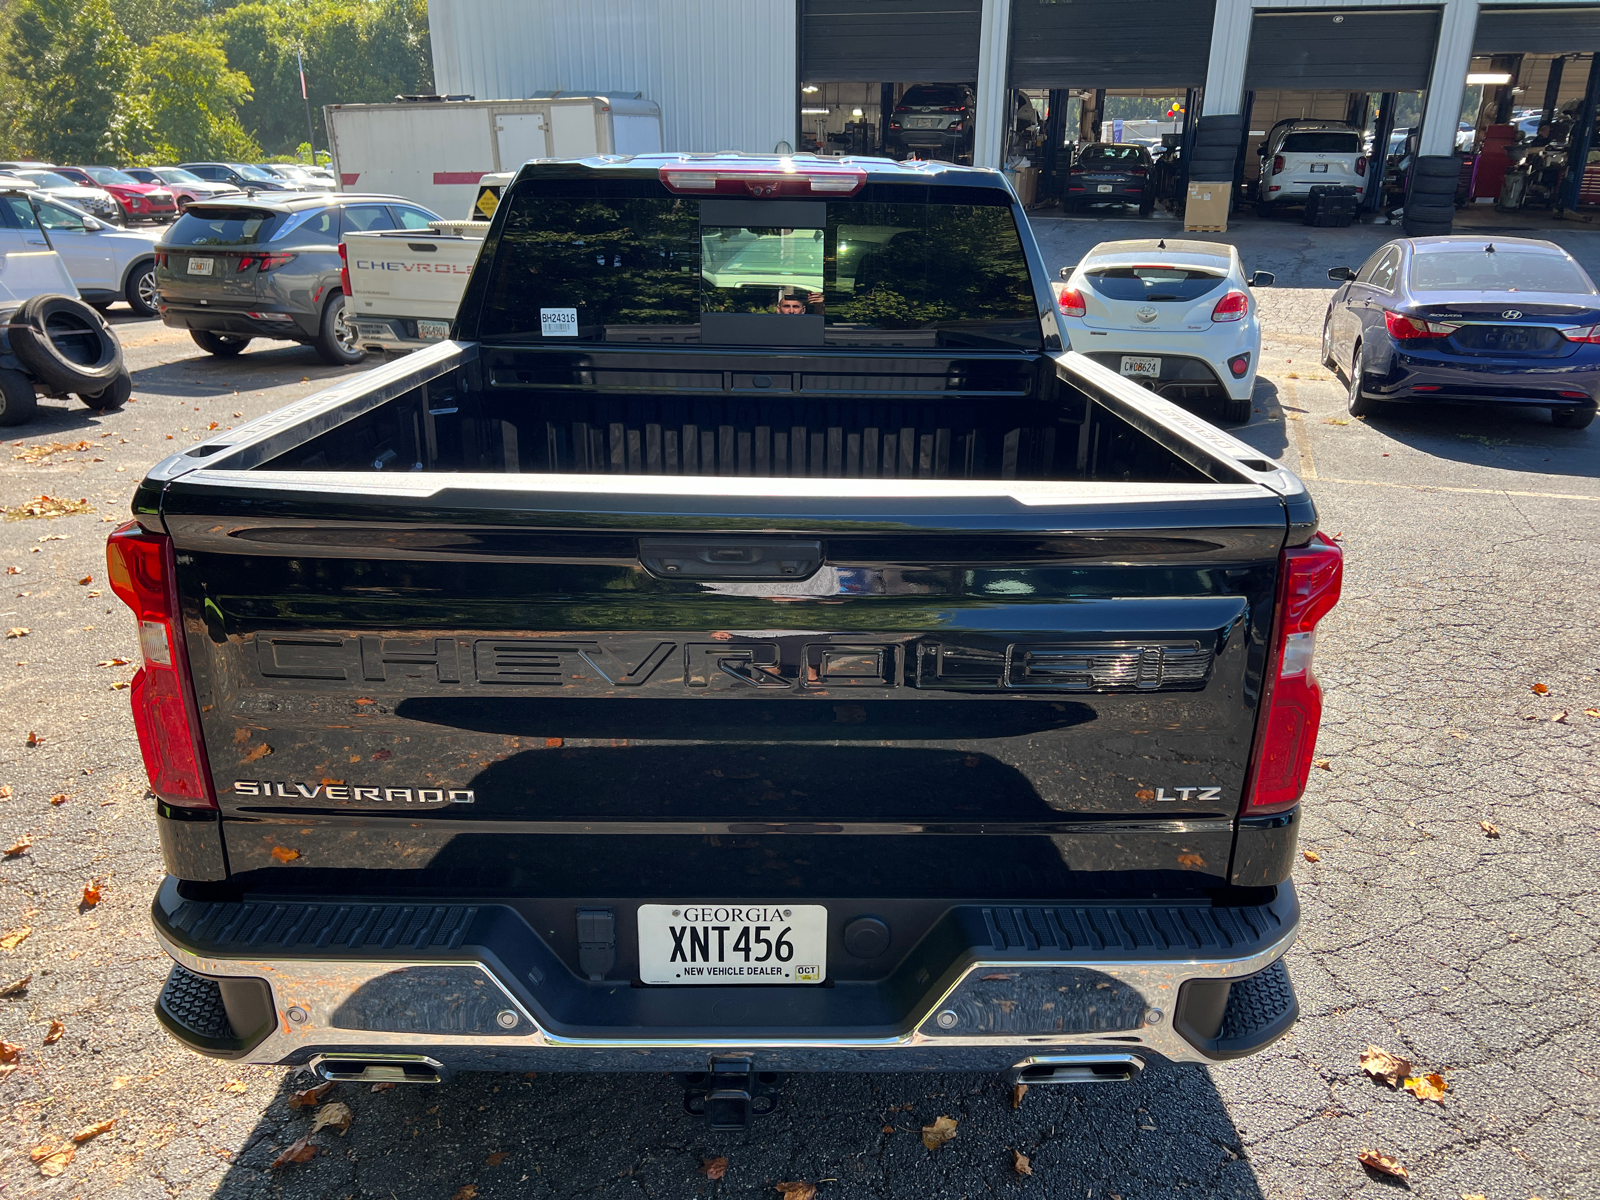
222	227
1321	143
657	268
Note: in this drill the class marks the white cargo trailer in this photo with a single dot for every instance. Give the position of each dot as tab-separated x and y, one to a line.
435	151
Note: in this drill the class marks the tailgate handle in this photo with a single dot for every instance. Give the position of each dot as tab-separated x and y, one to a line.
741	558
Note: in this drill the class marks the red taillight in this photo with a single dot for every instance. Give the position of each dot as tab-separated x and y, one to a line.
1404	327
142	571
246	261
1070	302
953	108
1138	171
1277	163
761	177
270	262
1231	307
1309	578
1582	333
1361	165
344	270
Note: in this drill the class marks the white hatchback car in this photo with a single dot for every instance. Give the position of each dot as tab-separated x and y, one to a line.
1300	154
1174	315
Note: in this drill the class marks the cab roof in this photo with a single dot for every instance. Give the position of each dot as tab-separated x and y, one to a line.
877	170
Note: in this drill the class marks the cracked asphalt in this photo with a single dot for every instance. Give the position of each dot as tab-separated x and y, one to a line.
1471	576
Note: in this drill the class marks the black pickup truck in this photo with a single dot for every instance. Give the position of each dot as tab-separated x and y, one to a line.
752	645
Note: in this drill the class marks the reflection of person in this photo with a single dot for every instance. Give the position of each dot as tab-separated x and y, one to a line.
794	303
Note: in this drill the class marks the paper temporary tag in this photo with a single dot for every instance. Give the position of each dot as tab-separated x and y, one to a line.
558	322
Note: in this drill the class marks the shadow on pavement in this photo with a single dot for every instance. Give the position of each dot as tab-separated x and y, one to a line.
1506	438
488	1136
203	375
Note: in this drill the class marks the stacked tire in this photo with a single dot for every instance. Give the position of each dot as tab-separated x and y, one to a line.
1216	148
61	345
1431	200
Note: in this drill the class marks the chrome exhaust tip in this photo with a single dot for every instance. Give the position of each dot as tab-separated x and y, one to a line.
379	1068
1078	1068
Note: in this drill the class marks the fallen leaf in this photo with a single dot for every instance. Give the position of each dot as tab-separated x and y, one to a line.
20	846
714	1168
796	1190
16	987
86	581
92	894
1335	421
495	1159
334	1115
52	1158
10	1052
236	1087
47	506
1017	1093
1539	689
89	1132
888	1129
1560	718
283	854
311	1097
1311	856
1019	1163
1380	1064
1191	860
53	1035
1383	1164
1473	1196
941	1131
112	662
554	743
1489	828
15	937
467	1191
1427	1087
1591	712
1145	794
256	752
5	792
34	739
59	798
119	685
18	631
385	1087
1322	764
301	1151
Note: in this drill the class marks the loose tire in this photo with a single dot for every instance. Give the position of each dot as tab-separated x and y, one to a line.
338	343
1355	403
1427	228
141	293
223	345
65	344
1571	418
17	401
1440	167
112	397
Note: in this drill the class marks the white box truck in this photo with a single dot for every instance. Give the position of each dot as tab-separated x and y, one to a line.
434	150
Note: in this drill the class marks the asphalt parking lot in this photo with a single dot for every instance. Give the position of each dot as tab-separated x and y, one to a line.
1473	547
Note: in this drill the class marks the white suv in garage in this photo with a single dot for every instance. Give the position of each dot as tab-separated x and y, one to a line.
1300	154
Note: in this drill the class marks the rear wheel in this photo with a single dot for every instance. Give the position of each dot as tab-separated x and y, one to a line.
1328	359
1357	404
141	290
1571	418
17	399
338	342
1147	207
223	345
1237	412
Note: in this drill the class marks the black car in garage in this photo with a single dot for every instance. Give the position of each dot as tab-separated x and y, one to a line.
1111	173
933	120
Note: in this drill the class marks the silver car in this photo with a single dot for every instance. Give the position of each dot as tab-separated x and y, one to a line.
97	202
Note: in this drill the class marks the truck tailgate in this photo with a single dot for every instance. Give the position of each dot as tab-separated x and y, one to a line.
409	273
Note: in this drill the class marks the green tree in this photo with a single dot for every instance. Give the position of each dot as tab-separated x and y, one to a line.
184	102
70	62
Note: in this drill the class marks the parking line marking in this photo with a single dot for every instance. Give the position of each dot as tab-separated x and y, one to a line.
1433	487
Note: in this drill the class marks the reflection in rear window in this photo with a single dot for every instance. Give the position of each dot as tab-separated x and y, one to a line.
222	227
933	93
1117	154
1502	271
1153	284
1321	143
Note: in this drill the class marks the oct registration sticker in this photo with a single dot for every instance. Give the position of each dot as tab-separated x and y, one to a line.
733	943
558	322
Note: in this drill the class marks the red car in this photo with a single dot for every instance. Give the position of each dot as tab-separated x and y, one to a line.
140	201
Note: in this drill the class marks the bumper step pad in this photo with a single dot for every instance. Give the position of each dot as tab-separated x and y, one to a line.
191	1006
1260	1010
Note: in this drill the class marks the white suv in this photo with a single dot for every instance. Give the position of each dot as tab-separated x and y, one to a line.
1300	154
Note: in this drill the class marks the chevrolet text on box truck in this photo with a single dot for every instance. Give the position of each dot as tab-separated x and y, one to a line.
752	645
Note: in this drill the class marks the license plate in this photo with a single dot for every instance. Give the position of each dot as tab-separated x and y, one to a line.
924	122
1150	367
1104	187
201	266
1319	168
433	331
733	943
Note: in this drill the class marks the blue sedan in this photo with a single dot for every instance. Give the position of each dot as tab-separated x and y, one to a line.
1469	321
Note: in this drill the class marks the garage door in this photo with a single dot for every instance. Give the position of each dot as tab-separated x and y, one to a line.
1537	30
889	41
1362	50
1094	44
